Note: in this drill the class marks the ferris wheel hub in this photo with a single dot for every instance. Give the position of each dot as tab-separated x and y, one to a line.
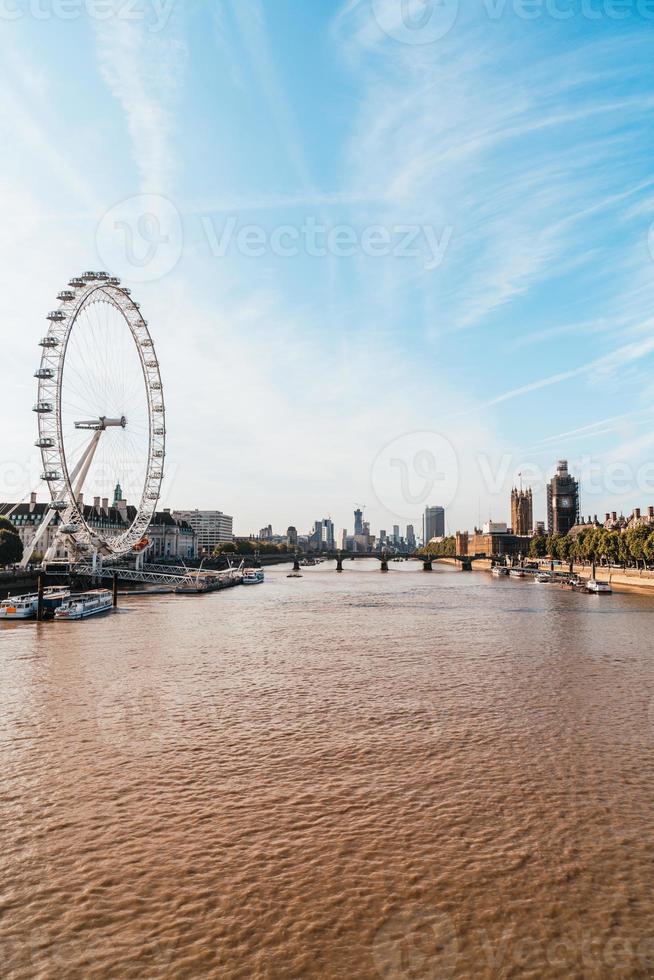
102	423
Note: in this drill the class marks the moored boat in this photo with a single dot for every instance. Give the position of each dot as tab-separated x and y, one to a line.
26	606
253	576
517	573
499	571
19	607
85	604
598	588
543	578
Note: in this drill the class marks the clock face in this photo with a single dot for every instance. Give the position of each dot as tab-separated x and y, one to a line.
566	503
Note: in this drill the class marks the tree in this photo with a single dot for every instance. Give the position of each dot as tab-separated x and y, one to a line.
592	545
552	545
649	547
11	547
538	546
440	549
612	547
564	548
636	538
6	525
624	556
227	547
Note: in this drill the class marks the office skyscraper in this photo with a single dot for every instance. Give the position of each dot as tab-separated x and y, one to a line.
433	523
358	521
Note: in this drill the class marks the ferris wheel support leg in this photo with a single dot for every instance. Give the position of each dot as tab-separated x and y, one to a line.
82	468
79	474
40	531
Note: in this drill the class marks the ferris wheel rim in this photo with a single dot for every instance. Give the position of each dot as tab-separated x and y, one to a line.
83	292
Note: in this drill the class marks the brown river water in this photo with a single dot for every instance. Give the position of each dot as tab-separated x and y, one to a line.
357	775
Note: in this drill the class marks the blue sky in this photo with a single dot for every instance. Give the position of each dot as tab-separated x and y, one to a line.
484	173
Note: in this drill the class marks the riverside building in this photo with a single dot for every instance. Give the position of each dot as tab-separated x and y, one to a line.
211	527
522	511
167	537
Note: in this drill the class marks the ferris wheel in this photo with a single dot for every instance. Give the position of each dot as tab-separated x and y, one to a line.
101	420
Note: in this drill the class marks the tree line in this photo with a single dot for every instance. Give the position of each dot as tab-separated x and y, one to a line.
242	547
11	547
634	547
439	549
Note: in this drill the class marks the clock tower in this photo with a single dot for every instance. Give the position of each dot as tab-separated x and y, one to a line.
562	500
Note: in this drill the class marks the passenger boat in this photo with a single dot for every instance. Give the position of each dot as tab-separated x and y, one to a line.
26	606
543	578
252	576
499	571
19	607
85	604
598	588
517	573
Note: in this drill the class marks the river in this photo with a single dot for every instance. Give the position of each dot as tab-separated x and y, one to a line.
356	775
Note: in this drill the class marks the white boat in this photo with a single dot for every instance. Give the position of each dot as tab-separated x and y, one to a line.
598	588
19	607
26	606
252	576
543	578
85	604
517	573
499	571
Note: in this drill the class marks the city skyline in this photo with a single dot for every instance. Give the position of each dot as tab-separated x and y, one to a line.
340	343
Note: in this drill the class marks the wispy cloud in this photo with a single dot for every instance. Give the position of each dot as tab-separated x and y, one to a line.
143	71
520	164
599	367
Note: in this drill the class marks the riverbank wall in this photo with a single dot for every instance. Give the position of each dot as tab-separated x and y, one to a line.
621	580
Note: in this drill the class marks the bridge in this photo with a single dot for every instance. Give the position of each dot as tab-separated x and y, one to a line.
173	576
465	561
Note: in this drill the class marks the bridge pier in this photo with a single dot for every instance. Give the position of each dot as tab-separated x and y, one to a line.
466	565
339	563
427	565
296	564
384	564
